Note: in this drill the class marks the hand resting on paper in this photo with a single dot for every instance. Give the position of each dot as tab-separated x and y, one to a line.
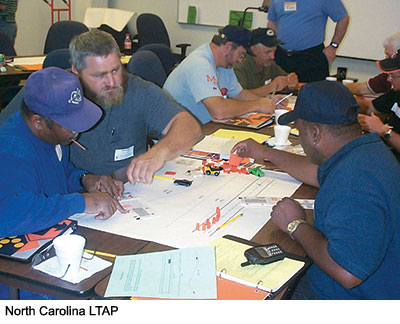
102	204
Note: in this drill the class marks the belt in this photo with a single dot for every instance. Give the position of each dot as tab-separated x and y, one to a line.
306	51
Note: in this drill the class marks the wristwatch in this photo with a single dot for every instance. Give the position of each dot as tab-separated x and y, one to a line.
334	45
388	134
81	178
292	226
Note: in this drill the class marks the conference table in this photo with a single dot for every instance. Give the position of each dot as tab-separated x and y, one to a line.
19	275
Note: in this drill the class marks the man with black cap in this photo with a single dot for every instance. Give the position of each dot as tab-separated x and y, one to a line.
386	106
205	82
259	73
39	184
355	239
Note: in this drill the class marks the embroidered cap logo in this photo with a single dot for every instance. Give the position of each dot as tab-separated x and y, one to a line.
76	97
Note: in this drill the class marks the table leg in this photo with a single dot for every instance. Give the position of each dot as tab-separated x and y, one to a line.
14	293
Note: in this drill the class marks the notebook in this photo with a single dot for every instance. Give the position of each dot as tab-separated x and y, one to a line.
229	254
24	247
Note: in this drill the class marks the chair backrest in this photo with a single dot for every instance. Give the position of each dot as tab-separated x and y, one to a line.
118	36
164	54
61	33
6	46
58	58
147	65
151	30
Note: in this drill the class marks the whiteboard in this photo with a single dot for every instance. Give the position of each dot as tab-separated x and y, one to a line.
216	12
371	21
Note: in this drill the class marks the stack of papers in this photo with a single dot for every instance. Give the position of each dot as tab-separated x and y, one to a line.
183	273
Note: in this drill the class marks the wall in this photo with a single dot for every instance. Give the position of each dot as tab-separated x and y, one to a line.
197	35
34	20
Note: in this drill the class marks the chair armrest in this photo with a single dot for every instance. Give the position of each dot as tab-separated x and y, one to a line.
183	48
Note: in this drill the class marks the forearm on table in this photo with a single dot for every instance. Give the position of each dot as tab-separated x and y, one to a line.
296	165
315	244
220	108
180	135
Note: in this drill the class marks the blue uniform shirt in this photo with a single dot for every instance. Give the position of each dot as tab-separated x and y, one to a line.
301	24
37	189
357	209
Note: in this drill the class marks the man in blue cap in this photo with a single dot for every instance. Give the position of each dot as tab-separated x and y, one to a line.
205	82
259	73
355	239
39	186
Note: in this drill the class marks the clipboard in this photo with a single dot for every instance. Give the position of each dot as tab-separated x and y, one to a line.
257	285
24	247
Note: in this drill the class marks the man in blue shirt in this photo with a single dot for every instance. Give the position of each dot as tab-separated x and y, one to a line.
301	26
355	239
39	184
206	84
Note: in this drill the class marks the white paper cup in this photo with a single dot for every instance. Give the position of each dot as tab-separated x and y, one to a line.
346	81
331	78
281	134
279	112
69	251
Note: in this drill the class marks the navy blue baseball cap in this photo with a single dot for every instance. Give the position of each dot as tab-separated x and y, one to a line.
323	102
265	36
55	93
238	35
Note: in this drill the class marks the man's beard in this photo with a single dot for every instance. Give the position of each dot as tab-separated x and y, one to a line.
103	100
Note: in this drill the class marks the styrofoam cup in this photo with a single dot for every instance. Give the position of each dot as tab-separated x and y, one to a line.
279	112
69	251
281	134
346	81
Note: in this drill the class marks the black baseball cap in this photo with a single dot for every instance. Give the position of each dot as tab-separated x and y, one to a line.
238	35
323	102
391	64
265	36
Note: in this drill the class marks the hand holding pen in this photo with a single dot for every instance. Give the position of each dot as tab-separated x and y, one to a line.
281	103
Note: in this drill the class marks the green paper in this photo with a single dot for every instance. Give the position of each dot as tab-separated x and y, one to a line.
236	16
192	12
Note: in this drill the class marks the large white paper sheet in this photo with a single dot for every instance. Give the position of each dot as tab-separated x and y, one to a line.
115	18
179	209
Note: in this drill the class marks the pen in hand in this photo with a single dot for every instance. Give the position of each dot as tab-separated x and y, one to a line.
284	98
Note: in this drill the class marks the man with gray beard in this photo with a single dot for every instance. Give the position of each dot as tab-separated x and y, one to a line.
132	110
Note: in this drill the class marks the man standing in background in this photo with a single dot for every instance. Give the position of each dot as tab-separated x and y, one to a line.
301	26
8	8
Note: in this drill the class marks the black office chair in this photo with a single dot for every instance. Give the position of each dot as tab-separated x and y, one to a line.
148	66
6	46
61	33
164	54
118	36
58	58
151	30
8	89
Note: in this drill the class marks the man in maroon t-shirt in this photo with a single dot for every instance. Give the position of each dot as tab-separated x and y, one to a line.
379	83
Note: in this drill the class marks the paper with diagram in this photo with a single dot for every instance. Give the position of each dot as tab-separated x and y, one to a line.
185	216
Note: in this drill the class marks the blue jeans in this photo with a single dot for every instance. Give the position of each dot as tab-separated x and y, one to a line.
10	29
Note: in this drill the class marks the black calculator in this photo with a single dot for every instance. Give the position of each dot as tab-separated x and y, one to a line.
263	254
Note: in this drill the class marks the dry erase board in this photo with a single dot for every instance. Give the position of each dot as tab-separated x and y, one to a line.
371	21
216	12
